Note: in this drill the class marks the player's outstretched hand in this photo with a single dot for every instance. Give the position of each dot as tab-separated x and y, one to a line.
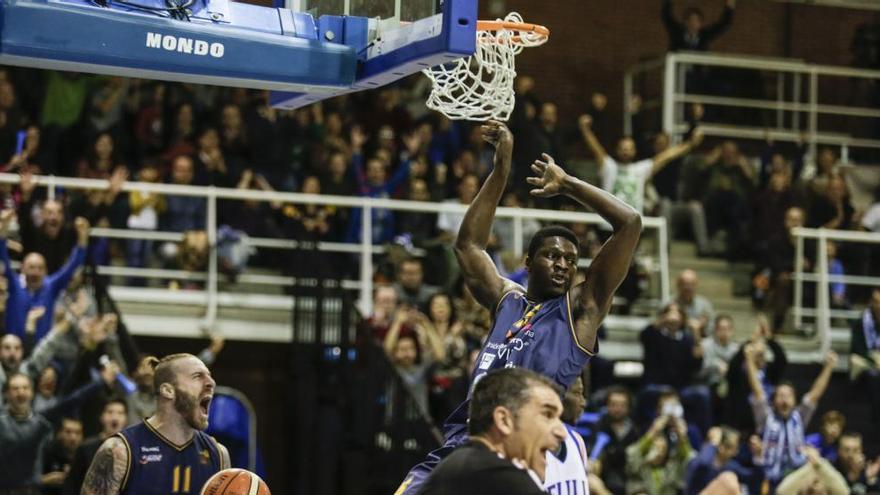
550	177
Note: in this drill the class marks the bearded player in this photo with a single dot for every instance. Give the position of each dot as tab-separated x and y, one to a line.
169	452
551	327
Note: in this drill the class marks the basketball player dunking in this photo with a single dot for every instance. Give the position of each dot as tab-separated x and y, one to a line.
551	327
167	453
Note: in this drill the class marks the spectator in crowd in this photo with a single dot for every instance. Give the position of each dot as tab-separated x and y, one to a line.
449	222
514	421
37	289
25	435
773	282
414	367
864	357
46	388
52	238
385	307
675	205
816	475
12	358
475	319
694	34
145	209
59	455
672	358
420	226
142	403
373	182
698	310
832	208
625	177
819	174
718	350
620	430
113	419
860	474
213	167
771	372
656	463
768	211
35	156
715	469
503	227
449	381
184	213
782	423
411	288
827	438
728	186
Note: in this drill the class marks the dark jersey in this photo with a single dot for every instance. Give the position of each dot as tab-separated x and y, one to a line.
473	469
158	467
526	334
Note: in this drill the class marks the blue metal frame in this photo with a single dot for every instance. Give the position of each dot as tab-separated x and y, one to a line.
224	43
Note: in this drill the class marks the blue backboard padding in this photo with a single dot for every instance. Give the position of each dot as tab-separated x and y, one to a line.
458	38
103	37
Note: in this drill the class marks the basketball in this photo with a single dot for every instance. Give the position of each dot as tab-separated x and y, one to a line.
235	482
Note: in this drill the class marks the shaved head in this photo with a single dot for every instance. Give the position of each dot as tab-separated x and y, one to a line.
34	270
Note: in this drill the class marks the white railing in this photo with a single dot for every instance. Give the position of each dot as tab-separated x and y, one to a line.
365	248
822	312
793	99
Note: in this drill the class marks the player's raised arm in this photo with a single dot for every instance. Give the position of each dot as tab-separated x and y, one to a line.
479	272
594	296
108	469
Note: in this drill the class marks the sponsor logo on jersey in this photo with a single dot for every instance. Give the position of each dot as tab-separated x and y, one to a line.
204	457
148	458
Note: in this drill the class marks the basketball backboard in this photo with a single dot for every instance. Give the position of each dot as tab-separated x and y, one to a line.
315	48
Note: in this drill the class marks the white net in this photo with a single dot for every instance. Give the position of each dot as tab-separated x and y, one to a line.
480	87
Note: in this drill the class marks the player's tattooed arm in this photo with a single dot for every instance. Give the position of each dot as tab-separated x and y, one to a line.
108	469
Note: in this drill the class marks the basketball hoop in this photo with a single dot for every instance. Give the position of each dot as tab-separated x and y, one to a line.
480	87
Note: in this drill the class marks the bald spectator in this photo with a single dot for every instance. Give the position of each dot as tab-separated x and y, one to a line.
698	311
36	288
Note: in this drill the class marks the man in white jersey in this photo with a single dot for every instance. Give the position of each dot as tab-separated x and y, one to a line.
625	177
567	472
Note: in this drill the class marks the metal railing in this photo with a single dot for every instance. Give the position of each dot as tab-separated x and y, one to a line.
822	313
797	97
365	249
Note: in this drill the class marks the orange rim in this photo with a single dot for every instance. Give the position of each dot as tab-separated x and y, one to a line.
520	27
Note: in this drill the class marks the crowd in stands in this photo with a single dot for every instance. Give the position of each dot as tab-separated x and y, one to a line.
710	411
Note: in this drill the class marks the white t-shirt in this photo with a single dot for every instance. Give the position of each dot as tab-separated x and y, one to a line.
448	221
627	182
568	476
871	220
